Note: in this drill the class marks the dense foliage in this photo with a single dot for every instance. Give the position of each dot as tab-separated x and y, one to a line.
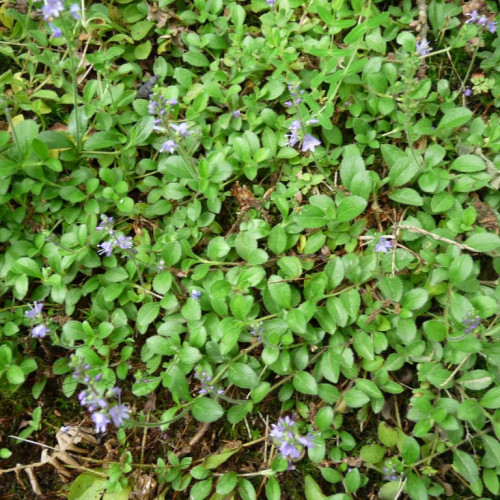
250	249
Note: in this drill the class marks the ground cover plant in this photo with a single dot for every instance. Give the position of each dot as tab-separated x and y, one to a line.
249	249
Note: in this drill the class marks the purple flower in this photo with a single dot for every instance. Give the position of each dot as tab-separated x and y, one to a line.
423	47
74	10
467	92
236	113
347	103
56	32
257	331
106	223
101	421
106	247
288	104
173	102
195	295
310	143
290	443
472	17
52	8
152	105
482	21
34	310
492	26
168	146
181	129
39	331
271	2
119	413
313	121
384	245
124	242
293	138
295	125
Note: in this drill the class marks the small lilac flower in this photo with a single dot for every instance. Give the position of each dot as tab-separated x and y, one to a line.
295	125
124	242
467	92
168	146
257	330
310	142
423	47
473	16
293	138
39	331
52	8
492	26
288	104
384	245
74	10
482	21
161	266
271	2
205	385
65	428
157	124
101	421
173	102
152	105
56	32
34	310
106	247
236	113
290	443
195	295
313	121
347	103
181	129
119	413
106	223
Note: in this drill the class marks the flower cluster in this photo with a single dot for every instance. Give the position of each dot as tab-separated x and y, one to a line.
195	295
120	241
288	440
205	385
483	21
471	323
390	471
257	331
35	310
309	142
384	245
159	107
97	399
423	47
52	9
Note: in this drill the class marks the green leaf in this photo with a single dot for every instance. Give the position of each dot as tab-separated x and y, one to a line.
483	242
410	450
468	163
207	410
312	489
201	490
103	140
387	435
349	208
305	383
273	490
196	58
455	117
355	398
372	453
242	375
25	265
416	488
15	375
461	268
491	400
162	282
146	315
227	483
407	196
467	468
